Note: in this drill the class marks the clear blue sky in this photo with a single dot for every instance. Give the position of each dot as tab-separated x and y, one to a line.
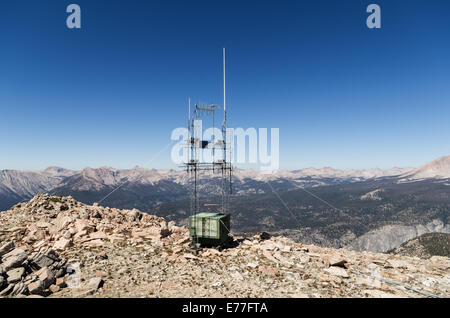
111	93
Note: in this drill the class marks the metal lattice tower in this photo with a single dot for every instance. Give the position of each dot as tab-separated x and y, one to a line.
220	162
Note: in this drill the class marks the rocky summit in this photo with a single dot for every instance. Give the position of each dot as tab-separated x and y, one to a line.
58	247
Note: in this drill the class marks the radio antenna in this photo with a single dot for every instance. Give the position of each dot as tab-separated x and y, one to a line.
224	90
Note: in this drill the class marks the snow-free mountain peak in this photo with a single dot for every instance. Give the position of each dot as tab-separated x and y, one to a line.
437	169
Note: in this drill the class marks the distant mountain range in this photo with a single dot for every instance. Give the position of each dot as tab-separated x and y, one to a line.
360	209
145	188
18	186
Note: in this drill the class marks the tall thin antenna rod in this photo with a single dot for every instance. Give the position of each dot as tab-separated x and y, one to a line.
224	85
189	120
224	126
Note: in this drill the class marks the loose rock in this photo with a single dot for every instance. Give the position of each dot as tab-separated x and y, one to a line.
135	254
15	275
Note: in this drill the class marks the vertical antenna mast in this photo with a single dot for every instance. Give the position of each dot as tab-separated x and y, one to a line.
189	115
224	83
224	132
224	128
224	90
189	131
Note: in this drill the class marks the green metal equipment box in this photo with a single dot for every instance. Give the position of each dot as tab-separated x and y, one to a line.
209	228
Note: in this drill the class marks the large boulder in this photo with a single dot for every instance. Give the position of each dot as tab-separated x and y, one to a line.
14	259
95	283
6	248
62	244
2	283
60	223
44	259
82	225
46	276
36	288
337	271
6	291
133	215
15	275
